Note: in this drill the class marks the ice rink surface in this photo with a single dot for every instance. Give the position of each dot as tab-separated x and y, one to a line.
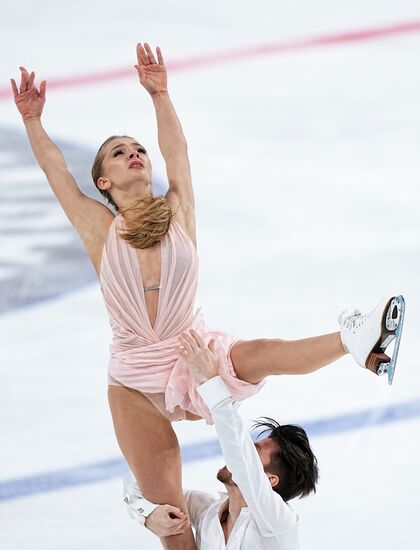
306	169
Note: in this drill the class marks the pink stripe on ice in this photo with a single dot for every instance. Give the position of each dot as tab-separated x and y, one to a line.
240	53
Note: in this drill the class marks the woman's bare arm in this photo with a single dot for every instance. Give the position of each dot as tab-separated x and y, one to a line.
172	142
89	217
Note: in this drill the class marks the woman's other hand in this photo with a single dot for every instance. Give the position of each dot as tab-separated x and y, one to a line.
29	100
152	73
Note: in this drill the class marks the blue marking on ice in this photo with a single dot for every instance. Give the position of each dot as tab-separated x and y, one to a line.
109	469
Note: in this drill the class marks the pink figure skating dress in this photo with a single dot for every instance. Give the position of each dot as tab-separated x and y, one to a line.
145	357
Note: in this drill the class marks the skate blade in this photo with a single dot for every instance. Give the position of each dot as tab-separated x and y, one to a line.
394	321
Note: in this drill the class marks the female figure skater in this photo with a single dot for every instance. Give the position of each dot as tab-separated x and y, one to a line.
146	261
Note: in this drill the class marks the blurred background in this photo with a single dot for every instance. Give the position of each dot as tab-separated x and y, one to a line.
303	124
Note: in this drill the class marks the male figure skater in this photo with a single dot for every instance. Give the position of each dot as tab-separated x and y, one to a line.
259	478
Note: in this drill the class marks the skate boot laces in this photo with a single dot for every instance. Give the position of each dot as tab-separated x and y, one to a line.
352	319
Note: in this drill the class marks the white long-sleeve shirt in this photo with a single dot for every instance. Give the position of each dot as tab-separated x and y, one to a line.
267	523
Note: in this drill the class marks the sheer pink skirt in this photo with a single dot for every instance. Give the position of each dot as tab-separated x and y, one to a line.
163	377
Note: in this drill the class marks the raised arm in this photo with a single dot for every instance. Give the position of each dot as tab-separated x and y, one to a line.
172	143
89	217
272	515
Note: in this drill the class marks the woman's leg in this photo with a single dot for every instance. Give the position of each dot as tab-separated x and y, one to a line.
253	360
151	448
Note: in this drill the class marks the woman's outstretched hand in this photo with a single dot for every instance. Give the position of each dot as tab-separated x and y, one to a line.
29	100
152	73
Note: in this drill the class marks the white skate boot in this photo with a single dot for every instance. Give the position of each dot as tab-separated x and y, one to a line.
366	337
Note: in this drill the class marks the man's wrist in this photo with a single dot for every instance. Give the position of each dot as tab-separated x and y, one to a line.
214	391
141	510
206	378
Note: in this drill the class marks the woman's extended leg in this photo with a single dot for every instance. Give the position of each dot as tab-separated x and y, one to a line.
253	360
151	448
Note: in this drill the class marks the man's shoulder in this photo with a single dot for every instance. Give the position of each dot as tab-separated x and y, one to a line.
201	506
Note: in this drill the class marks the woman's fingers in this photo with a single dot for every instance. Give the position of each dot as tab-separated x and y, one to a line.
27	82
160	56
31	80
14	88
23	79
150	54
142	57
42	89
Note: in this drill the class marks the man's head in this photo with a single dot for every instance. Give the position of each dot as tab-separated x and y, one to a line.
287	459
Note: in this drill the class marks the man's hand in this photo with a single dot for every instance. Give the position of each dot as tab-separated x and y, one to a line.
167	520
200	358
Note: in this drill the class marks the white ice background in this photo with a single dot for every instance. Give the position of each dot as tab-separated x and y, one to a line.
306	169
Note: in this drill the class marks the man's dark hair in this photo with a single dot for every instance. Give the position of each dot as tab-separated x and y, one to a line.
294	462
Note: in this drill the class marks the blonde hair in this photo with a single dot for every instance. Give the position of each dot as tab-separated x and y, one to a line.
147	220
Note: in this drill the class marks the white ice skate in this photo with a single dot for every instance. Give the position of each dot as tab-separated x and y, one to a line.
366	337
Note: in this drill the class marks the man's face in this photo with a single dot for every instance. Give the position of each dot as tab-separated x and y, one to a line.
265	448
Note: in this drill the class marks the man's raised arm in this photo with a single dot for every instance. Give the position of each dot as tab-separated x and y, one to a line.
272	515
